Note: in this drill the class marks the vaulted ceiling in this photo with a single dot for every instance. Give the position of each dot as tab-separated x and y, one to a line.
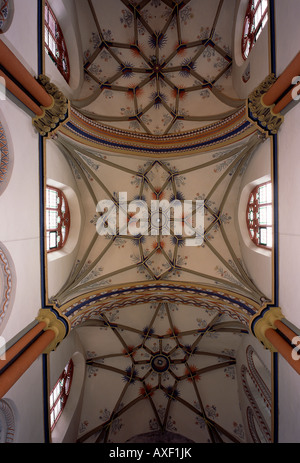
157	66
161	322
127	256
165	385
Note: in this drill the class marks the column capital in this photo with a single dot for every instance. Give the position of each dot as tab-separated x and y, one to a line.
54	323
266	120
54	114
263	321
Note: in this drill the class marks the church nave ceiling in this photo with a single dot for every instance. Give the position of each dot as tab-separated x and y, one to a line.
159	66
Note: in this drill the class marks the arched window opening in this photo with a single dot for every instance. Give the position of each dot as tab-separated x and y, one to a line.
260	215
60	393
57	219
255	20
55	44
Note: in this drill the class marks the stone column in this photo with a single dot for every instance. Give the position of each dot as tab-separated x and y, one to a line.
270	329
44	337
50	107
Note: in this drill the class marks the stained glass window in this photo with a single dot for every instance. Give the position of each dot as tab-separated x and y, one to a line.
57	219
260	215
60	393
55	44
255	20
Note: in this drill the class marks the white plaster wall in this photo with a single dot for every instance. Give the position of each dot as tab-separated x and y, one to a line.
257	261
21	37
19	231
19	211
65	12
288	45
19	226
258	58
27	398
66	429
59	174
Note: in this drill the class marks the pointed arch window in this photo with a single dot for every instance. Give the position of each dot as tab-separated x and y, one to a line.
254	22
60	393
260	215
57	219
55	44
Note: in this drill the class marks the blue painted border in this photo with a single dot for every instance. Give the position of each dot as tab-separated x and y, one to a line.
158	286
47	432
272	19
40	12
156	151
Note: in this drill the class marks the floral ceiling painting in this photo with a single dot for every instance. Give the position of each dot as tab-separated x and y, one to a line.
166	384
118	258
164	325
157	67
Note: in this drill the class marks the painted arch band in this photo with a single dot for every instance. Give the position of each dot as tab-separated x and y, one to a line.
180	218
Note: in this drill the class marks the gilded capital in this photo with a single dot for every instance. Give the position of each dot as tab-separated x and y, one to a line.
263	115
54	323
262	322
55	114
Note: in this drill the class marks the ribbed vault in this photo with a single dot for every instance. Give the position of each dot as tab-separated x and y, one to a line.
171	367
118	258
161	322
157	66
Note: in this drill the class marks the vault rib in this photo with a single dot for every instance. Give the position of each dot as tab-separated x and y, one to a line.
216	19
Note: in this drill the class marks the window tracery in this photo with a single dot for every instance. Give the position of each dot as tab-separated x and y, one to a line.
259	215
60	393
254	22
57	219
55	44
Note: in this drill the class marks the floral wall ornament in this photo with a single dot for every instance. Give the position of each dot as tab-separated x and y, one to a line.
7	284
7	422
6	160
6	14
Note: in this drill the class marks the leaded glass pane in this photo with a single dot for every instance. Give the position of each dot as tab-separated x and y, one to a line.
265	215
52	44
52	198
57	409
263	236
46	36
63	206
257	16
269	237
46	14
265	20
52	25
265	194
264	5
52	240
52	219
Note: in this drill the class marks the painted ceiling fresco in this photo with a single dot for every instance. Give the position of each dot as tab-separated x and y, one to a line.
119	258
157	66
161	335
165	384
